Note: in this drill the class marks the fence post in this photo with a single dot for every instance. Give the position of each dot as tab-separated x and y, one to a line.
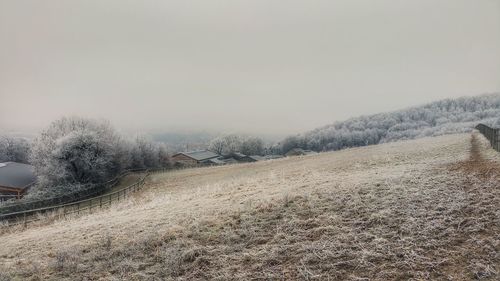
497	148
493	135
493	138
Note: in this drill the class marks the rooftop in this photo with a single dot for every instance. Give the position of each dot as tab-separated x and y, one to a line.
200	155
16	175
215	161
257	157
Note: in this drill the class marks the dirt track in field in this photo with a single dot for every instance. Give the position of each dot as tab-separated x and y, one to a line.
477	165
480	180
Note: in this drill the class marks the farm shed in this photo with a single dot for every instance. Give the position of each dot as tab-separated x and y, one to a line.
255	158
16	178
300	151
273	156
214	161
230	161
240	157
248	158
194	157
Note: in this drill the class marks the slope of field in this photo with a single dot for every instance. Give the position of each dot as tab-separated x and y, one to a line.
422	209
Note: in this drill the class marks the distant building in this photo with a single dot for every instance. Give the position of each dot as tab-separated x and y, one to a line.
194	157
255	158
300	151
230	161
238	156
213	161
273	156
242	158
205	157
16	178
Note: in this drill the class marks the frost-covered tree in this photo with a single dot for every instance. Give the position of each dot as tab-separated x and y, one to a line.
226	145
136	157
82	157
252	146
229	144
14	149
163	157
217	145
437	118
148	150
145	153
76	151
290	143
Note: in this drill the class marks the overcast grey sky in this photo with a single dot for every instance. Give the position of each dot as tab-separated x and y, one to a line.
256	66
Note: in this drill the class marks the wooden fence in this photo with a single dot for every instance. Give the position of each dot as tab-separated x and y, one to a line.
4	198
95	190
493	135
79	207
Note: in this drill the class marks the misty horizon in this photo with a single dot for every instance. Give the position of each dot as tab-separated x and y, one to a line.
207	134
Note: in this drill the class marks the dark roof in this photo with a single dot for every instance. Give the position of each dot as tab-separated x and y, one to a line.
199	155
270	157
257	157
230	161
238	155
300	151
214	161
16	175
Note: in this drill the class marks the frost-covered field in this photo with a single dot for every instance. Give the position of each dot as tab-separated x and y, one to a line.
422	209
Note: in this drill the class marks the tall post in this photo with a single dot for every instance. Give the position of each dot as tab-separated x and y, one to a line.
497	147
492	138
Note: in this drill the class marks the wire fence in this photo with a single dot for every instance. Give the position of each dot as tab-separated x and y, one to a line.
97	189
491	134
78	207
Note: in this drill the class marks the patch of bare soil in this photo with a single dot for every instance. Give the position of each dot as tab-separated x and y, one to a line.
477	246
476	165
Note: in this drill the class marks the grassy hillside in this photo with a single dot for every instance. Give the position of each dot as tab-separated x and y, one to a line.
421	209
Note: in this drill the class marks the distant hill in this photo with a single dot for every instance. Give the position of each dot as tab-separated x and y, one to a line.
447	116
